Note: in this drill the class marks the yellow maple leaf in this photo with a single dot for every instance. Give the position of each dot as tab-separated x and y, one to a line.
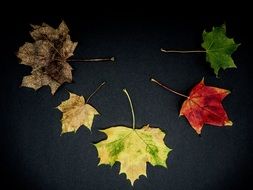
133	148
77	112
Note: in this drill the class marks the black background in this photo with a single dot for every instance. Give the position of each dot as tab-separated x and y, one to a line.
35	156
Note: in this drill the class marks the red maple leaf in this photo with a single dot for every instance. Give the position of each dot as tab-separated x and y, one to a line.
203	106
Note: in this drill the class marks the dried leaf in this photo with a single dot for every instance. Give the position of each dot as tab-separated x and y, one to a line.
48	57
76	113
133	148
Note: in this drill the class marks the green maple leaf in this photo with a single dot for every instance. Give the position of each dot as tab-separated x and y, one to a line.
219	48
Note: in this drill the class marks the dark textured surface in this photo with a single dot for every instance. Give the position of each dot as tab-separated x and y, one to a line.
35	156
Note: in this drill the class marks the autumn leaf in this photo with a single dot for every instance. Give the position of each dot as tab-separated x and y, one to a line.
133	148
218	48
48	56
203	106
77	112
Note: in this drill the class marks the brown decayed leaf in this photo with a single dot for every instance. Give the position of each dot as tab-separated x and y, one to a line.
48	57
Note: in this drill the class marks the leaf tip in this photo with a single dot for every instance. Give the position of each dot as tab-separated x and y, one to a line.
132	182
180	113
102	130
67	91
53	90
228	123
89	127
198	131
223	26
203	80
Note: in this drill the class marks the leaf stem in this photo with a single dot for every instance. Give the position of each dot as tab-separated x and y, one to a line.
131	105
98	88
167	88
178	51
93	59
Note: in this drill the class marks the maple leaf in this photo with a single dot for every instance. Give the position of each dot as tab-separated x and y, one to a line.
219	48
133	148
48	57
77	112
203	106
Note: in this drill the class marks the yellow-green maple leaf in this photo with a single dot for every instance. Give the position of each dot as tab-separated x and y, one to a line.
76	113
133	148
